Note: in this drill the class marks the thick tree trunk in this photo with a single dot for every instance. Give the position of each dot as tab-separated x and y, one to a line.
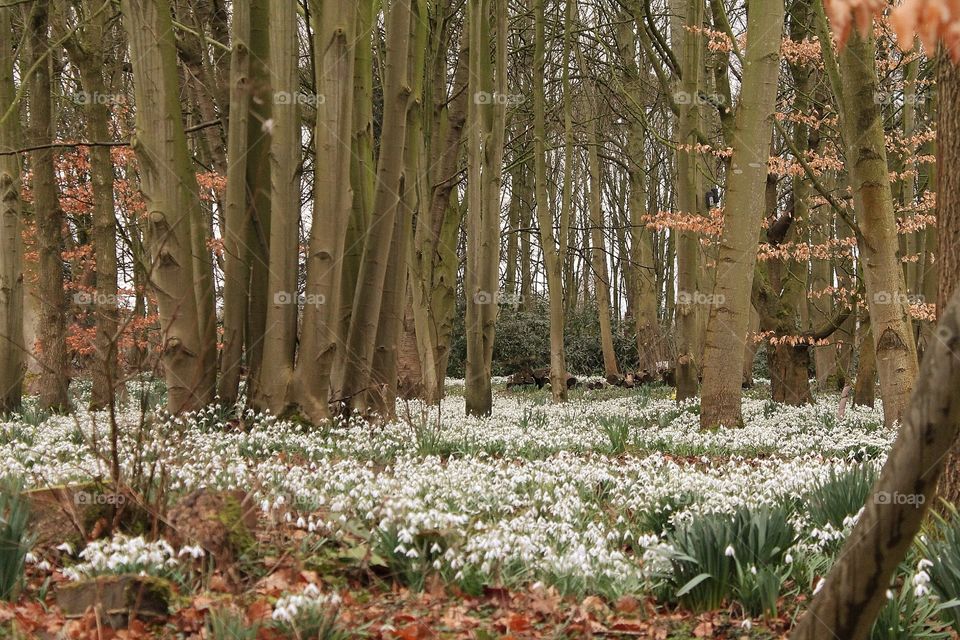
854	592
730	305
335	42
173	211
52	322
12	349
789	373
948	223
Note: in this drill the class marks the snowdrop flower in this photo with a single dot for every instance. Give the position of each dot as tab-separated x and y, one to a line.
43	566
890	595
746	624
66	547
819	586
730	552
30	558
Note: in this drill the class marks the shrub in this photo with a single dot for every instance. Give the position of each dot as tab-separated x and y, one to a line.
15	542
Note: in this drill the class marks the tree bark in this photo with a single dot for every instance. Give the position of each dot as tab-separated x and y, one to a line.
730	305
12	349
854	592
280	337
54	379
170	188
320	335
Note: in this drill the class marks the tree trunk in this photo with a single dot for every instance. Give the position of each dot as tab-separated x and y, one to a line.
280	337
87	53
553	255
730	305
854	592
865	385
948	223
236	276
335	41
170	189
12	349
487	120
52	322
870	182
688	203
371	280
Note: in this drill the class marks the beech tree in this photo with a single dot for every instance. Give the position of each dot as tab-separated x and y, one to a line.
13	351
744	206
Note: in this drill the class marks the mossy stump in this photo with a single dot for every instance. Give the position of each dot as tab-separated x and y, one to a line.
117	599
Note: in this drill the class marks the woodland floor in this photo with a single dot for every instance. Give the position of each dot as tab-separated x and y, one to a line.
543	521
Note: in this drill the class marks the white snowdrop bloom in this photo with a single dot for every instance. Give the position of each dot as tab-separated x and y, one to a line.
746	624
311	591
788	558
921	590
29	558
819	586
301	523
43	565
412	553
66	547
730	552
890	595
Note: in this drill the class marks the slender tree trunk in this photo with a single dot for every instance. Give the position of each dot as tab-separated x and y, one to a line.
258	208
866	382
52	328
87	53
413	188
730	306
486	131
371	280
280	337
173	210
12	349
598	253
335	42
236	233
689	203
553	255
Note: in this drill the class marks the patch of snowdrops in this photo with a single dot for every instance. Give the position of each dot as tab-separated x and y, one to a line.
580	491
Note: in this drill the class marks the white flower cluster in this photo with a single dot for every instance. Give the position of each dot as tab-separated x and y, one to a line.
289	608
122	554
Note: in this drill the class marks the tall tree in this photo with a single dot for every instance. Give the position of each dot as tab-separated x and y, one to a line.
88	51
280	336
485	138
335	41
49	218
174	215
744	207
12	349
553	255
